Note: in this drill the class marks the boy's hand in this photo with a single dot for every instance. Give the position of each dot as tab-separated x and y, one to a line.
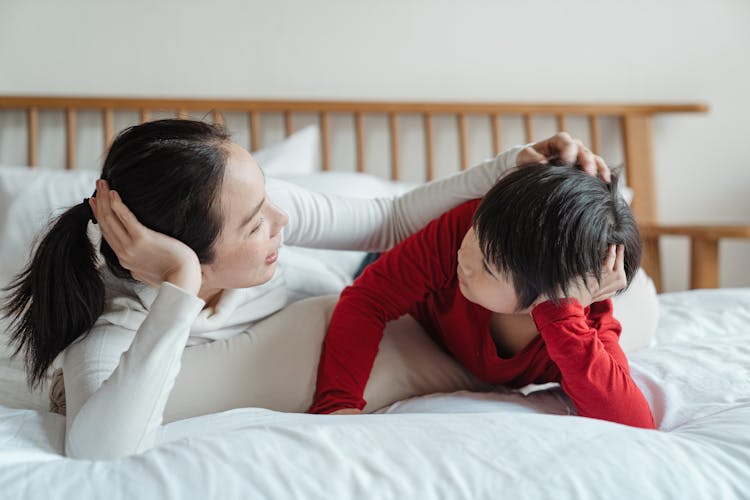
569	150
613	275
587	291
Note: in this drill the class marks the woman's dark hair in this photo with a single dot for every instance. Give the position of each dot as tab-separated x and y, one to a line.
544	226
169	173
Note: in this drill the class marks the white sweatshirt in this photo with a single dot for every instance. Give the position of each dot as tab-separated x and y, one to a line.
119	376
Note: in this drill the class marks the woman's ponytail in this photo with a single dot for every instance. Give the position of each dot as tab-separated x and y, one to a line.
58	296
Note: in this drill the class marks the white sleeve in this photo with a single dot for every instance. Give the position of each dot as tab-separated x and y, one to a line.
335	222
117	382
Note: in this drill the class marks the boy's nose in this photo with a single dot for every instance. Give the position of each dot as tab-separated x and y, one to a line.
461	269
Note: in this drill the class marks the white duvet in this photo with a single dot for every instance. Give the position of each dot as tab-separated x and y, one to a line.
463	445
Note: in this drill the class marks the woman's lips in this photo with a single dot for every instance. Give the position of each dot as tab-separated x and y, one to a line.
272	258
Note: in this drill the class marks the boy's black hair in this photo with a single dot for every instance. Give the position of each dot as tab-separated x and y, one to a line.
544	226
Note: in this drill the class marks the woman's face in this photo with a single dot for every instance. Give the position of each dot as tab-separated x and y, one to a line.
247	249
480	282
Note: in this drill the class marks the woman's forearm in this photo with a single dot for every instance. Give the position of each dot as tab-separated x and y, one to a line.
413	210
335	222
115	412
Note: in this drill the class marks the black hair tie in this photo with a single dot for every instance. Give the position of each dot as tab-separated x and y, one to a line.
88	207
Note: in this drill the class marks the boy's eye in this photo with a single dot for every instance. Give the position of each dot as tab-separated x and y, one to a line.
486	268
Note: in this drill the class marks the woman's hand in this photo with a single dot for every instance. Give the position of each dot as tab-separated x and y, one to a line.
588	291
151	257
569	150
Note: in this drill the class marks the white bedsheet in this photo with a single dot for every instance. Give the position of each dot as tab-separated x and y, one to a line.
463	445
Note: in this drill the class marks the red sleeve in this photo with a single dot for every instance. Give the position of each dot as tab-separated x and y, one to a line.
593	367
387	289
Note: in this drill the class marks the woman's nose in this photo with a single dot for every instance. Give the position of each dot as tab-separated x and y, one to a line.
279	219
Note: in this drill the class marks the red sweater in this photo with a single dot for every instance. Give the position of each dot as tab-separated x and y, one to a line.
577	347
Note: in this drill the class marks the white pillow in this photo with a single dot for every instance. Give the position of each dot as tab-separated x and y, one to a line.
637	310
296	155
28	198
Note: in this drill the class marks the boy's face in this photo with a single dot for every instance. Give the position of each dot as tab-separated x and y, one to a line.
480	282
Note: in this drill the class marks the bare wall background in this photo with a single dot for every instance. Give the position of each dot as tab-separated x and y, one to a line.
543	50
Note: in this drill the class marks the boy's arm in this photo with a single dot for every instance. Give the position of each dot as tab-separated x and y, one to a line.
386	290
594	370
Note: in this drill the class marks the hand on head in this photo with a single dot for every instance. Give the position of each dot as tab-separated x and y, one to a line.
151	257
568	150
588	290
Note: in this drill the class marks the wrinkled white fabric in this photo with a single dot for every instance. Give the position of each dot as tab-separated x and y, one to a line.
462	445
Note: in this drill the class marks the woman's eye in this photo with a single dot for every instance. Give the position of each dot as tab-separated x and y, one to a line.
255	229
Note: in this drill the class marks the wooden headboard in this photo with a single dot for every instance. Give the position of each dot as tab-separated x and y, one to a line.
635	129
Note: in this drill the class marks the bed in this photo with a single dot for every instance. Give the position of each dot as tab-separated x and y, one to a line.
517	444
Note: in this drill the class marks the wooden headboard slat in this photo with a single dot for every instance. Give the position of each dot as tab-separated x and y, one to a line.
495	131
463	139
108	126
218	117
393	127
359	128
528	128
70	138
428	148
561	123
288	123
32	133
594	133
324	140
254	131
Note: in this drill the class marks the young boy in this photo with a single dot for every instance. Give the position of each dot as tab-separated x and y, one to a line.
515	286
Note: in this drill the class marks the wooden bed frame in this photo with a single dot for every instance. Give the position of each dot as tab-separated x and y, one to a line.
635	126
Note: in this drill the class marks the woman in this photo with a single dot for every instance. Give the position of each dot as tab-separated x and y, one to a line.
193	262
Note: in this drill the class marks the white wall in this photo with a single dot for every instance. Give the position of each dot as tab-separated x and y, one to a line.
544	50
